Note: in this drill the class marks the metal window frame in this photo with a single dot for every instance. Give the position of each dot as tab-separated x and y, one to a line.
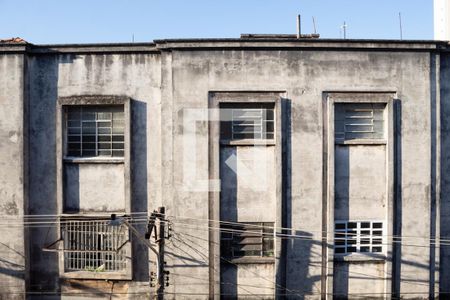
358	236
98	109
350	127
93	245
255	230
62	161
260	120
262	136
122	248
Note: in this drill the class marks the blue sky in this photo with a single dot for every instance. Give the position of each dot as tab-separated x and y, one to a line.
95	21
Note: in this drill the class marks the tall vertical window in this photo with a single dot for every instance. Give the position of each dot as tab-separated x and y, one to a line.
95	131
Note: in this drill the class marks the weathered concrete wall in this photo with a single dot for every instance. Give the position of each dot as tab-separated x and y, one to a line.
161	87
360	175
245	280
248	184
360	195
57	75
361	280
248	194
305	75
13	180
94	188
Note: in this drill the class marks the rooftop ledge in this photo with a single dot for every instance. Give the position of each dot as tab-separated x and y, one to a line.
247	41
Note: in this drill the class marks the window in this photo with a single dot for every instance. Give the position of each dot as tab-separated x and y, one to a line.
247	121
95	131
94	245
247	239
359	121
358	237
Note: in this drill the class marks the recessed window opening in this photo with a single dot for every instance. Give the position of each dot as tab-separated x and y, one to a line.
255	239
358	237
359	121
93	246
95	131
247	121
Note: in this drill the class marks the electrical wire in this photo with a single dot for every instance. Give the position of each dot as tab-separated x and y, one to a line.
143	219
305	237
345	271
254	273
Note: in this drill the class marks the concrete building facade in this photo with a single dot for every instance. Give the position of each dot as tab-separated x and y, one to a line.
288	168
441	20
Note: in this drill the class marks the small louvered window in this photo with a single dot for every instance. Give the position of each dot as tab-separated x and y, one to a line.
247	121
247	239
95	131
359	121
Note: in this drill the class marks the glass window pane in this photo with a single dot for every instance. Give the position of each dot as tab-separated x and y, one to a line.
118	153
358	236
359	121
74	138
117	138
247	121
104	138
92	126
89	138
89	146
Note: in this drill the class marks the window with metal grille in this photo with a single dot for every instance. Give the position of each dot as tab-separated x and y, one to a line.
247	121
359	121
247	239
95	131
358	237
93	245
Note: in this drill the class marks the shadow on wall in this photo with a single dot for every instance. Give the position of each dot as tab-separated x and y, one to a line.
294	280
43	95
444	225
397	219
445	169
44	281
139	199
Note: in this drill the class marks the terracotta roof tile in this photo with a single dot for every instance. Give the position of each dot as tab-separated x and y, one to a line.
17	40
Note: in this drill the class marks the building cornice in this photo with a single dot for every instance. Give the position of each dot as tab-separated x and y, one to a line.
261	42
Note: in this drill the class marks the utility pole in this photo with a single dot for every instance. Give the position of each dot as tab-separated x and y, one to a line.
159	216
161	243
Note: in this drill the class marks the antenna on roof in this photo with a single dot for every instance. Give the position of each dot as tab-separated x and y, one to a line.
299	26
400	22
314	25
132	38
344	29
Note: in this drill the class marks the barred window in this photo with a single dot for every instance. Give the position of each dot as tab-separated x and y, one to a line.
359	121
94	245
95	131
247	121
358	237
247	239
